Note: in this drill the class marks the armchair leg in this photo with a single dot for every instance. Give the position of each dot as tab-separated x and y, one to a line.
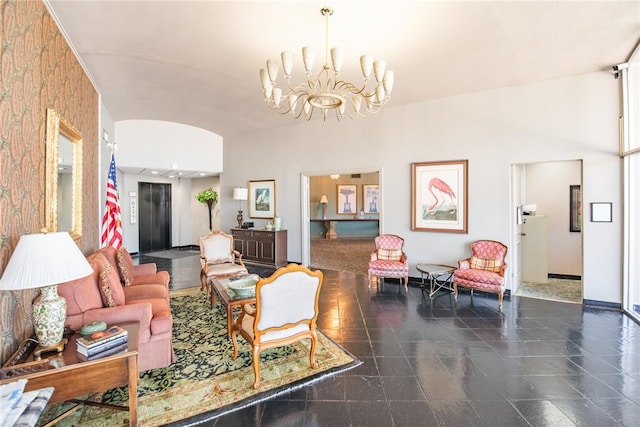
312	353
256	367
500	300
373	280
406	283
455	291
234	338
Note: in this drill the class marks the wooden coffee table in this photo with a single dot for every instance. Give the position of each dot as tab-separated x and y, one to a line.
229	299
73	378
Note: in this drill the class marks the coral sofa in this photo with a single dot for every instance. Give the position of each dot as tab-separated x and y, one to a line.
102	297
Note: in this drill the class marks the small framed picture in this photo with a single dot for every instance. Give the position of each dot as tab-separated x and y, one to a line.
262	199
346	198
601	212
370	198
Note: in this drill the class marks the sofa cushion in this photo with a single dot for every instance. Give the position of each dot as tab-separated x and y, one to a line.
125	266
81	294
110	287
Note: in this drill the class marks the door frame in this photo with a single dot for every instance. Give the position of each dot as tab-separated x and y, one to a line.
305	200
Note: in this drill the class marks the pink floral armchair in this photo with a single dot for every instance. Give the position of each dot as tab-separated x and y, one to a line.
484	270
388	260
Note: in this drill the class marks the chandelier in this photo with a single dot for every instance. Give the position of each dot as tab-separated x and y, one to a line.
326	90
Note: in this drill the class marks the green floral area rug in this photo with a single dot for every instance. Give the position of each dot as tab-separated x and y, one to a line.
204	382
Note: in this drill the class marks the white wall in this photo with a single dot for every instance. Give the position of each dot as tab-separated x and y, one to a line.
567	119
547	186
166	145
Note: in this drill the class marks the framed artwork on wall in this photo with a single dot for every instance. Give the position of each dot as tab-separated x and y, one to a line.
439	196
575	209
346	198
262	199
370	198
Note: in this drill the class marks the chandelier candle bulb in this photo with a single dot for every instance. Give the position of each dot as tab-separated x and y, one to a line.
308	57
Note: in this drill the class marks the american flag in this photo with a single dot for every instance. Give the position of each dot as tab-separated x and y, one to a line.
111	222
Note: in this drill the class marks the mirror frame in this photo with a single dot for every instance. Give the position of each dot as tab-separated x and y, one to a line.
56	124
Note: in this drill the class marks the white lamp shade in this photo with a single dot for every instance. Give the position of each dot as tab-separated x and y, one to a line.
44	259
240	193
323	199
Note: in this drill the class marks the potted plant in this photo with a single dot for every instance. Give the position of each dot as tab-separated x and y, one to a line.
210	197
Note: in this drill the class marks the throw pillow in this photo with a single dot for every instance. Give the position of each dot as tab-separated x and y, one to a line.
125	266
493	265
390	254
110	288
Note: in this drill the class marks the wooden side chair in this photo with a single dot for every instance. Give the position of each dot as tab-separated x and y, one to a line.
388	260
218	258
286	311
484	270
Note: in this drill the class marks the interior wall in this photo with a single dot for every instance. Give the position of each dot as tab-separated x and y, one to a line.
39	71
547	186
559	120
157	144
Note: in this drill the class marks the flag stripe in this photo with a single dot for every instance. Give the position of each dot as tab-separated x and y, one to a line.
111	221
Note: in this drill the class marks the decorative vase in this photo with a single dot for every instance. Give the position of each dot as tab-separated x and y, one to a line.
49	314
277	223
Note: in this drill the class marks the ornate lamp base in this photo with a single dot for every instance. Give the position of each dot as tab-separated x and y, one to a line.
58	347
239	218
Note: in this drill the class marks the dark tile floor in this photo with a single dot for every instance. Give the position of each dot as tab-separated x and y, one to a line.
441	363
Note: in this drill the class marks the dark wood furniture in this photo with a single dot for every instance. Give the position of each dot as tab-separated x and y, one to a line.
73	378
262	247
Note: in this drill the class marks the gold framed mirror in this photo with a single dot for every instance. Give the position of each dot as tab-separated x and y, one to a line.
63	186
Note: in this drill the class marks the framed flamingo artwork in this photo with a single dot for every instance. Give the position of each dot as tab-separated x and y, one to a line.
439	196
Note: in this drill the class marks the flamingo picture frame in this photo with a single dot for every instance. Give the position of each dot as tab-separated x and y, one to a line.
439	201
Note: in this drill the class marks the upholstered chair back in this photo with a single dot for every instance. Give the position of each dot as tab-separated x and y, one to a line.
217	247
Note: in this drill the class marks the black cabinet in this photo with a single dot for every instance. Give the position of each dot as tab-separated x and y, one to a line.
264	247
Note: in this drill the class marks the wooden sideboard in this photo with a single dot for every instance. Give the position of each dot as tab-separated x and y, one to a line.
263	247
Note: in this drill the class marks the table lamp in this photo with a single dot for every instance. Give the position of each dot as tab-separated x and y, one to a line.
44	260
324	201
240	194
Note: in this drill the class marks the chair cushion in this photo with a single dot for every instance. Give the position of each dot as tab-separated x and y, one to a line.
390	254
479	277
226	269
125	266
110	287
477	263
388	268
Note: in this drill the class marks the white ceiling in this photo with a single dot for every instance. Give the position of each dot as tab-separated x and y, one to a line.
196	62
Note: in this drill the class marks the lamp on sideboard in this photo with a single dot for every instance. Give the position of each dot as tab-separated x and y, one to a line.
240	194
323	202
44	260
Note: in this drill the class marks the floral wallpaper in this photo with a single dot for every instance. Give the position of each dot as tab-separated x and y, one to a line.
38	71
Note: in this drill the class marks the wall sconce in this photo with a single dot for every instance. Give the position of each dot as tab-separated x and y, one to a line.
323	202
334	176
240	194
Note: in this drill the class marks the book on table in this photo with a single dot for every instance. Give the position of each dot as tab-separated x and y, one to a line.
100	341
119	348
